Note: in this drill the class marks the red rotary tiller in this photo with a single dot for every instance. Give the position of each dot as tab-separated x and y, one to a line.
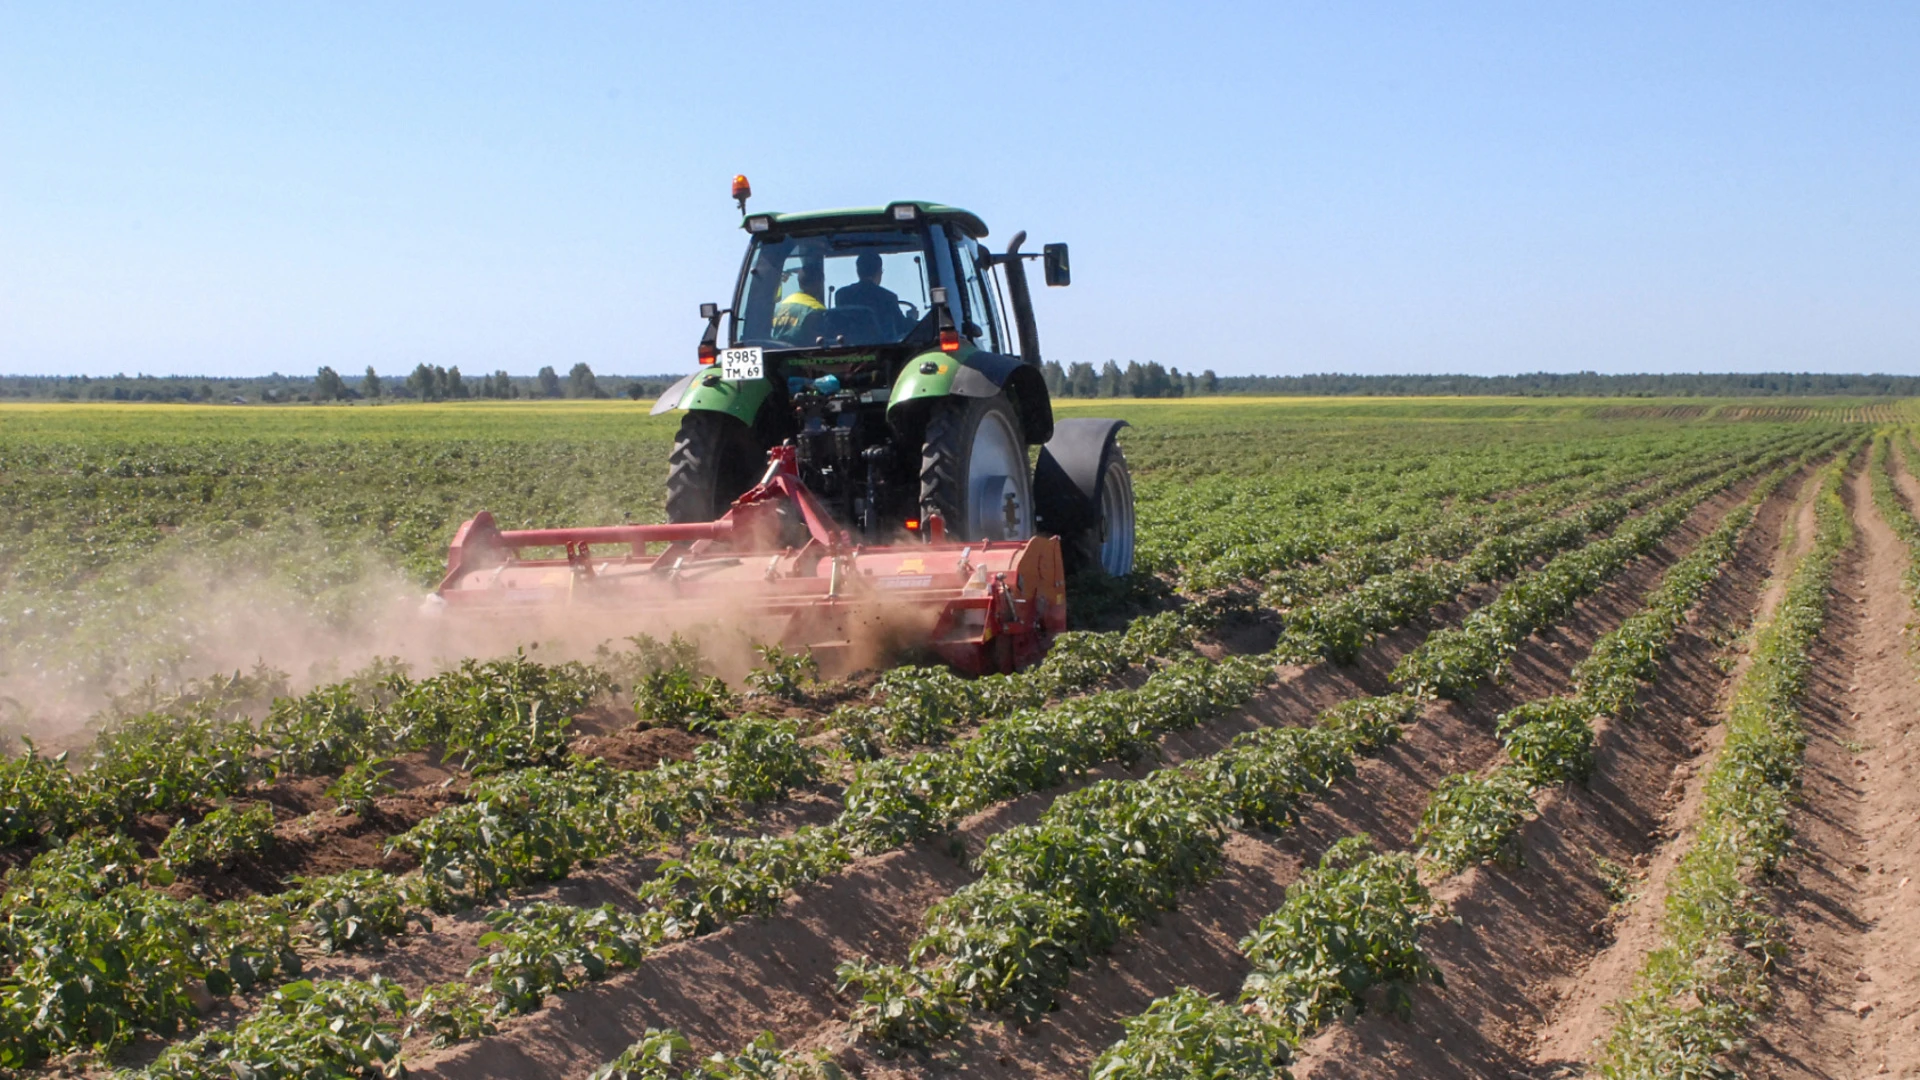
777	555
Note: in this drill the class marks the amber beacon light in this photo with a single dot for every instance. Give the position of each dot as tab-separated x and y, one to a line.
742	191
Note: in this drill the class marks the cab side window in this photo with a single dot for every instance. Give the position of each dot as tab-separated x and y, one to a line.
979	294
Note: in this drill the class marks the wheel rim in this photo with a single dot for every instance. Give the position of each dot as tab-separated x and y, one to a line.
997	473
1116	517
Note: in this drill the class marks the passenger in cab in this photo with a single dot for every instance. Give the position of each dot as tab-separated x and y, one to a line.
796	319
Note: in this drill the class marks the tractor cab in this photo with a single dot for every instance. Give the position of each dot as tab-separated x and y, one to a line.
899	355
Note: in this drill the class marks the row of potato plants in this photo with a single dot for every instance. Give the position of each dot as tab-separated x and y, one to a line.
1187	1032
1450	663
536	823
325	1028
93	959
1893	509
1703	987
1446	532
531	824
1221	531
97	956
1474	817
1347	926
665	1054
89	959
1457	533
1052	895
1191	1034
200	746
721	879
1340	627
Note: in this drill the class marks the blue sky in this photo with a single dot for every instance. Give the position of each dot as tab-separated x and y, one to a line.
1371	187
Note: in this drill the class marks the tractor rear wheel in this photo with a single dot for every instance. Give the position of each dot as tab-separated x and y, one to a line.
715	460
973	470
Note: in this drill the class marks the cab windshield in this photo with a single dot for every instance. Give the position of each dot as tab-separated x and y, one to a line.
846	288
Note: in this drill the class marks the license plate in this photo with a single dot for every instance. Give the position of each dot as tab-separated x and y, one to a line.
738	364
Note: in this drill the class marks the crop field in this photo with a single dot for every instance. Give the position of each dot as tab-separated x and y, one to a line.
1431	737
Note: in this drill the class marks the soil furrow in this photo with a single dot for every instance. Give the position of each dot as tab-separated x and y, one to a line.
1783	533
1848	1000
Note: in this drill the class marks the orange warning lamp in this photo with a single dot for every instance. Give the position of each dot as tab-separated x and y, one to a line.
742	191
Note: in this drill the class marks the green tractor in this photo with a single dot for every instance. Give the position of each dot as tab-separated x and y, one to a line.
898	356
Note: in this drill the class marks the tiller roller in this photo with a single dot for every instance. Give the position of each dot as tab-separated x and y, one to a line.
776	555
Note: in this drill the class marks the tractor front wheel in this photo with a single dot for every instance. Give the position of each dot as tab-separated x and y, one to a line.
715	460
973	470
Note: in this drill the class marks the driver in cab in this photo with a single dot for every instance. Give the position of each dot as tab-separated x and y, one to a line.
867	293
796	318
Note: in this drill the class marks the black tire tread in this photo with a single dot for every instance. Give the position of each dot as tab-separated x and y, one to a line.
943	463
944	453
704	461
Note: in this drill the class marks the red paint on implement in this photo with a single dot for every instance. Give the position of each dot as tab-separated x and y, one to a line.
776	554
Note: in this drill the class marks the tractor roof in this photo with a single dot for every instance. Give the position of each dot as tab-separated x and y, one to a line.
967	220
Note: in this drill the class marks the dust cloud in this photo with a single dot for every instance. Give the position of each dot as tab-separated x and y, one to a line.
186	617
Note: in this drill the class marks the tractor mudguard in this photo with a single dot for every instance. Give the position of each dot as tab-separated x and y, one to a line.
973	372
1066	482
670	399
704	389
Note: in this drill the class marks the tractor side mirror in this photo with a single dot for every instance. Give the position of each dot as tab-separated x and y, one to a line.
1058	272
710	340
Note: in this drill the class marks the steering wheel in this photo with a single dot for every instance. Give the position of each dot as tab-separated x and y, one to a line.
912	313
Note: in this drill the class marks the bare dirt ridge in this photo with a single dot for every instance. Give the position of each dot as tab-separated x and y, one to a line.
776	974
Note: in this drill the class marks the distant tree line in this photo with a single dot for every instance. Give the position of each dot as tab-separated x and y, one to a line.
1150	380
427	382
1136	380
1577	384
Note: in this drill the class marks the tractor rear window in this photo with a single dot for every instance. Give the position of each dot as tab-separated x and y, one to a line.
846	288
